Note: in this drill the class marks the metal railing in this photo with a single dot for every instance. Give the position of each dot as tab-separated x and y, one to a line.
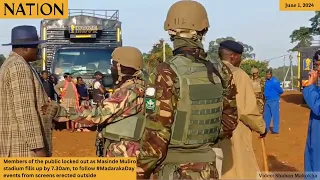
108	14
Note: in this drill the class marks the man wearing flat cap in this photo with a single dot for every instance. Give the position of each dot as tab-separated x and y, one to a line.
258	87
24	130
240	161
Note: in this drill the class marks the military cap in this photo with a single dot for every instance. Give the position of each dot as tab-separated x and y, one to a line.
232	46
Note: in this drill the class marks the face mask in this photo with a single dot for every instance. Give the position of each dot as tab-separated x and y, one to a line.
203	40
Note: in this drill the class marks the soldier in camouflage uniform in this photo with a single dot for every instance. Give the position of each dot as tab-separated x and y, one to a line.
185	104
258	87
119	113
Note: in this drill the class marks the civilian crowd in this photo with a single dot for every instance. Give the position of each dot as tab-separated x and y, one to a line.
69	93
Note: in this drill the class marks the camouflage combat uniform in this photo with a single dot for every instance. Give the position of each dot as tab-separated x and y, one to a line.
156	137
126	101
258	87
181	131
121	110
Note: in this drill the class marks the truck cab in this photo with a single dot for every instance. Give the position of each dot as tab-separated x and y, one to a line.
83	62
81	44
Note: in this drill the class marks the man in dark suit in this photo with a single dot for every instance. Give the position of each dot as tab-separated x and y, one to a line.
47	84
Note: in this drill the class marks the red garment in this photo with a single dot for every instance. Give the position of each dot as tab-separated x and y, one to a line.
66	83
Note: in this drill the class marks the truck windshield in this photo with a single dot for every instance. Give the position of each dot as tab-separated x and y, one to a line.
82	61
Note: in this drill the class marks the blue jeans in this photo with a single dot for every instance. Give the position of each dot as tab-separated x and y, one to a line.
271	110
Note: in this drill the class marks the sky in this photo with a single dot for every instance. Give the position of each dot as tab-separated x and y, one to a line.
256	23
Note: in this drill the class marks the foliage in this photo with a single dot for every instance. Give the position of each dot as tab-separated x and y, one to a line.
214	46
304	35
315	23
280	73
155	55
248	64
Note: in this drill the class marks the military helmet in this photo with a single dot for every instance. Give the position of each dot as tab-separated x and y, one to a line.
254	70
187	14
129	57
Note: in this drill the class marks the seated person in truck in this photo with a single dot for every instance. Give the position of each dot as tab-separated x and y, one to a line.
68	93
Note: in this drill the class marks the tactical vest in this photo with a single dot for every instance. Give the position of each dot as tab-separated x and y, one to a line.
199	108
129	128
97	94
197	115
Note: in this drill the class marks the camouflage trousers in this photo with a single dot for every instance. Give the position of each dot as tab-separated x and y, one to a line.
123	149
260	102
190	171
209	169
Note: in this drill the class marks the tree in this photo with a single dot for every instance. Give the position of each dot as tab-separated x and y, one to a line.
2	59
315	23
304	35
248	64
214	46
155	55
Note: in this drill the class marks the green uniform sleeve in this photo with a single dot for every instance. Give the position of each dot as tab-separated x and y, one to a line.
156	137
123	103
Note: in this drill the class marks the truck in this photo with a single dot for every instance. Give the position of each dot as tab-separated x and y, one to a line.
81	44
305	64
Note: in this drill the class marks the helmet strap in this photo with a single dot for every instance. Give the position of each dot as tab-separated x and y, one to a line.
119	73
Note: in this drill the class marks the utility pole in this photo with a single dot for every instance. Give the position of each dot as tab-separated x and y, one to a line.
290	57
164	50
285	78
284	66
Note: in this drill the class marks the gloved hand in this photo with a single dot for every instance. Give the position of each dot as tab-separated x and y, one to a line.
264	134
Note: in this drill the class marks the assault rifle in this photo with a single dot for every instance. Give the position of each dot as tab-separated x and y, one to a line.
99	142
